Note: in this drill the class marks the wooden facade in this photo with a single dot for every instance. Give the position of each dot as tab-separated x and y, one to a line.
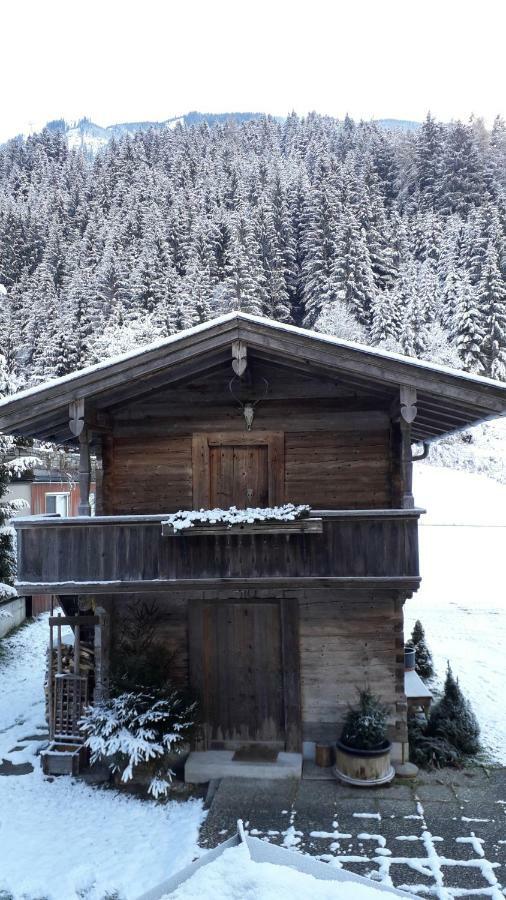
274	627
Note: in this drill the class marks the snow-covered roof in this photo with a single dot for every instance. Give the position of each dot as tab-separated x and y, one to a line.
448	399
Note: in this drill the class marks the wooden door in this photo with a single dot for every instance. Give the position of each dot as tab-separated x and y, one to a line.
239	475
240	673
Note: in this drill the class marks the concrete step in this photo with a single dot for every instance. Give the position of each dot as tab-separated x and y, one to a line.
205	765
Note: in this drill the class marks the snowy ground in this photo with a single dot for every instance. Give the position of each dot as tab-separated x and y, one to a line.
462	600
110	844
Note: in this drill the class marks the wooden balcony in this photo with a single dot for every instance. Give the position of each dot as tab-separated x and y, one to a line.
118	554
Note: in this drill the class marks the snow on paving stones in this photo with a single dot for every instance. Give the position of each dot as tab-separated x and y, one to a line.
111	842
461	601
433	860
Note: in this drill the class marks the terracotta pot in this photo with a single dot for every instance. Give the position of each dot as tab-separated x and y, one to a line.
364	768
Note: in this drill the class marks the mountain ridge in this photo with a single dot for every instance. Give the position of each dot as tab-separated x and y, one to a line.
87	135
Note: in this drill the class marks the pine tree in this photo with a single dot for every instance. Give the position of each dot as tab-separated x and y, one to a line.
466	325
492	302
453	720
424	665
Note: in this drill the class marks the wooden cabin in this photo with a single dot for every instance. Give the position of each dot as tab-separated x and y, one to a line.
274	628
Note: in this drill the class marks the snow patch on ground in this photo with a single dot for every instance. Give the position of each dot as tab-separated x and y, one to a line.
235	876
461	602
111	842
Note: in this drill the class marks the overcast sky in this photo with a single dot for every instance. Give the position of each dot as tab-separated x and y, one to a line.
152	59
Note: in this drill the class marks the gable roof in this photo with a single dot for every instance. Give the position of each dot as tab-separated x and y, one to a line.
447	399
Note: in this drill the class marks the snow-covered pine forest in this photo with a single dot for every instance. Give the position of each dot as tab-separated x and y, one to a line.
395	238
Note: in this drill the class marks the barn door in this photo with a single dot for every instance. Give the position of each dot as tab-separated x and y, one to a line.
244	667
239	476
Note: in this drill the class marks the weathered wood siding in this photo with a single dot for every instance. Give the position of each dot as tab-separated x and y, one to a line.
349	641
147	475
349	469
339	470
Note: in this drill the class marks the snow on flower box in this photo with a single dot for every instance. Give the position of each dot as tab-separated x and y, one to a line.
64	759
262	520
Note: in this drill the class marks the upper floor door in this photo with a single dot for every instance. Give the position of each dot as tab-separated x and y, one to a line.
239	475
238	469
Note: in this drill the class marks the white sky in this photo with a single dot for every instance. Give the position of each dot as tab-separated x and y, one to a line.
124	61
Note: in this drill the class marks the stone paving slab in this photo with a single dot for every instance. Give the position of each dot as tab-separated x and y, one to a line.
442	834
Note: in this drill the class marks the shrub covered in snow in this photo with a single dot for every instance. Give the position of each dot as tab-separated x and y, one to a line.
424	665
365	727
139	727
453	719
451	733
185	519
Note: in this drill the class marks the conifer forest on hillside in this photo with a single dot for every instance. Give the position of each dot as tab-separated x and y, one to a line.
389	237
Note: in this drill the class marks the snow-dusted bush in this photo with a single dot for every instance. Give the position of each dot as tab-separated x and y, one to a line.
452	718
185	519
365	727
139	727
424	664
451	734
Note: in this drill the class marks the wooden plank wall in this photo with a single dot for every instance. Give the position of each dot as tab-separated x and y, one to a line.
339	470
348	640
328	470
147	475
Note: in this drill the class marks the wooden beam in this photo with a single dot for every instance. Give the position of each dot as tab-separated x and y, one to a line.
84	508
398	582
408	410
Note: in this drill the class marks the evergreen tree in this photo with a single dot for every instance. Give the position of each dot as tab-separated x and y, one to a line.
453	720
466	325
424	665
492	302
297	220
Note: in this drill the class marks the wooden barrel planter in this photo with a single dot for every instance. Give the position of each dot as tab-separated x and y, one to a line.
364	768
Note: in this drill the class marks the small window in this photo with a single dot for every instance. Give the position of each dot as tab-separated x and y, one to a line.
57	504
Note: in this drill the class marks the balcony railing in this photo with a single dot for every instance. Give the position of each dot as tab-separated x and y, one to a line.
107	554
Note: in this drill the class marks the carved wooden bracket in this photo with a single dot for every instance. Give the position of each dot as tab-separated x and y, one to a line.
408	403
239	357
76	416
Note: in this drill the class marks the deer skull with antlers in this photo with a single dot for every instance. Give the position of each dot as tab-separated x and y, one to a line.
248	406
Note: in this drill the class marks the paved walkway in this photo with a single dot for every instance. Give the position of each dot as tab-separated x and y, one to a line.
443	835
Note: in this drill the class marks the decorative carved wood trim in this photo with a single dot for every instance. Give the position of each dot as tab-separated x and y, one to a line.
408	403
76	416
239	357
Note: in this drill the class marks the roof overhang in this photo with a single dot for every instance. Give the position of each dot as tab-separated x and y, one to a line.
447	400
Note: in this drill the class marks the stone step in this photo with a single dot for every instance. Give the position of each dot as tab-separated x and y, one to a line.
205	765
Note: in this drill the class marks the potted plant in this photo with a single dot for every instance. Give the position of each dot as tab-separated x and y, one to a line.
363	752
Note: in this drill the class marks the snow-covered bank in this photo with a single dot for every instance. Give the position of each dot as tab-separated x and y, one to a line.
462	600
235	876
62	840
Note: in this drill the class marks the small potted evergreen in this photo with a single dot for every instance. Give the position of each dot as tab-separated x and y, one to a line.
363	751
